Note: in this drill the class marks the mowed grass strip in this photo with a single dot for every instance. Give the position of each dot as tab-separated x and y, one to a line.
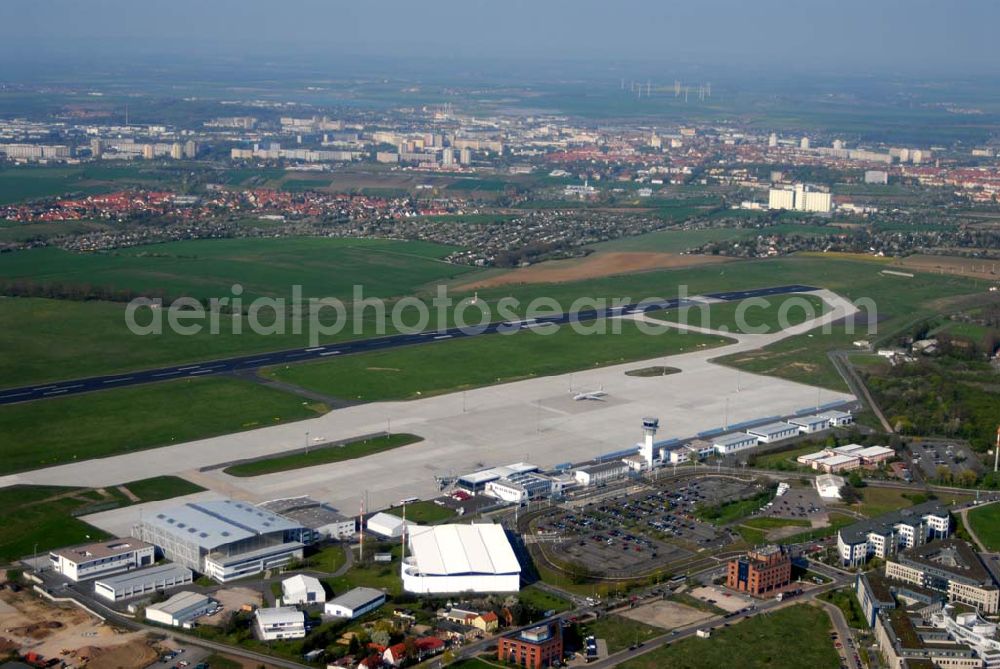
51	432
446	366
749	316
985	522
785	639
40	518
322	455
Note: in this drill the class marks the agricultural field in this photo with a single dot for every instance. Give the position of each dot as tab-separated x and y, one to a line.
760	642
60	430
322	454
440	367
262	267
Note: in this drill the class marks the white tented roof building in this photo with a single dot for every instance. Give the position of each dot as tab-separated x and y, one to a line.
828	486
460	558
386	525
302	589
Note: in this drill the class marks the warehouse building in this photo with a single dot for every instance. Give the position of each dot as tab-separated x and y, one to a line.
601	473
322	519
142	582
104	558
303	590
181	610
224	539
354	603
951	567
810	424
523	486
281	622
460	558
883	536
772	432
838	418
733	442
387	525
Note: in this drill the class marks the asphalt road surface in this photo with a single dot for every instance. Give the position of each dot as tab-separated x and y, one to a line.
227	365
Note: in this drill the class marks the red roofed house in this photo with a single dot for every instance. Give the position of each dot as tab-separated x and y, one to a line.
425	647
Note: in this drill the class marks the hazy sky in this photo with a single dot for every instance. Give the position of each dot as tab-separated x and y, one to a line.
832	35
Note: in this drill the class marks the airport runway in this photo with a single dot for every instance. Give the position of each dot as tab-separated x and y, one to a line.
225	365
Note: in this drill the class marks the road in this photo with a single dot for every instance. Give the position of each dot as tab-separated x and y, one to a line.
256	361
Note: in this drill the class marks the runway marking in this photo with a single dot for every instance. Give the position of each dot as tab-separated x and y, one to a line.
200	371
176	371
254	362
329	353
443	337
297	354
50	387
124	378
5	397
317	348
55	392
184	369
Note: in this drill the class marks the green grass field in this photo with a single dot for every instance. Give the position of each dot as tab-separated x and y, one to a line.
620	632
43	517
441	367
542	601
985	522
785	639
424	512
60	430
162	487
749	316
322	455
209	268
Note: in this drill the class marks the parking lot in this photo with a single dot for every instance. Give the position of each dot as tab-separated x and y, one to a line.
639	531
798	502
929	454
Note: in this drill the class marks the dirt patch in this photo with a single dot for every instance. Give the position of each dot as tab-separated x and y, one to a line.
667	615
727	601
597	264
232	599
134	654
53	630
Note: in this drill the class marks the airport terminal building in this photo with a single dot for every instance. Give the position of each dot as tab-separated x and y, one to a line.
224	539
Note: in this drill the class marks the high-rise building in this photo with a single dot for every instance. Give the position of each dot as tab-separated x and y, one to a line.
772	140
177	151
190	149
804	143
448	157
465	156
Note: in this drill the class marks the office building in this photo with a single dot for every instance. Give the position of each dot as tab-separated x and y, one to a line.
281	622
760	571
533	648
949	566
773	432
733	442
885	535
799	197
104	558
600	473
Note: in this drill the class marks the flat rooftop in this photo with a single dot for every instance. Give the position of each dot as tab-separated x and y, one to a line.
157	573
100	550
771	428
181	602
733	438
358	597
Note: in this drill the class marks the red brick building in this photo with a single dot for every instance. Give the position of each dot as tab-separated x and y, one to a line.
533	648
760	571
